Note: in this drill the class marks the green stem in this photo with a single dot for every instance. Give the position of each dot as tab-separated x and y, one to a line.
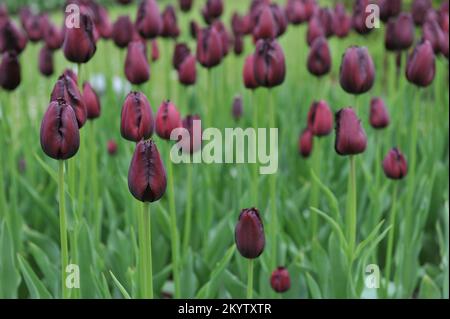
188	218
273	188
315	188
148	248
63	230
142	254
255	166
390	244
250	279
96	198
351	210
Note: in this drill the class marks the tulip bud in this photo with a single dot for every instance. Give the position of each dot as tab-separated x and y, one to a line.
60	137
148	23
341	21
72	75
147	176
136	118
315	30
124	2
155	50
212	10
319	57
379	116
111	146
167	119
326	18
295	11
420	67
180	53
103	24
320	118
389	8
46	61
11	38
185	5
249	233
357	72
33	28
360	16
248	73
399	33
137	69
237	108
192	124
194	29
280	280
187	73
265	25
394	164
122	32
419	10
270	68
443	21
9	71
169	23
224	37
433	33
238	45
209	47
305	143
53	37
91	100
350	136
79	43
237	24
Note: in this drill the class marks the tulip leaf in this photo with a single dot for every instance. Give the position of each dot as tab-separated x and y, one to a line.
314	289
36	288
334	225
429	289
9	275
334	204
121	288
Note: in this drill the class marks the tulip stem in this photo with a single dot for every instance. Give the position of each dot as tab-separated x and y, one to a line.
255	167
145	246
63	230
273	187
188	220
250	279
390	243
351	216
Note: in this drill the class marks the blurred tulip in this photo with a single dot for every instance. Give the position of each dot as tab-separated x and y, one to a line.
185	5
357	71
103	24
10	71
265	24
212	10
46	61
224	36
34	28
320	119
11	38
124	2
341	21
91	101
111	147
326	18
389	8
53	37
238	45
169	23
192	124
237	24
194	29
350	136
379	116
280	19
209	47
180	53
122	32
79	44
248	73
315	30
280	280
167	119
420	67
136	117
399	33
149	22
319	57
305	143
360	16
187	72
137	69
433	33
419	10
295	11
237	109
394	164
249	234
269	68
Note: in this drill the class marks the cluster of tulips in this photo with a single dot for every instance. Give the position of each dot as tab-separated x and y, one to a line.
73	102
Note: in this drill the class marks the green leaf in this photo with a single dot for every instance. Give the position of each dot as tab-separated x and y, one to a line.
334	225
47	168
314	289
368	240
35	286
428	289
333	202
9	275
122	289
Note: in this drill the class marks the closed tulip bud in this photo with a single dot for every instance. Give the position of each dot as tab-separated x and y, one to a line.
389	8
248	73
419	10
350	136
444	47
10	71
167	119
400	32
295	11
280	280
305	143
136	118
238	45
91	100
192	124
224	36
149	23
341	21
137	69
326	18
11	38
360	16
180	53
237	109
209	47
420	67
169	23
237	24
270	68
212	10
71	74
249	234
103	23
187	71
46	61
394	164
443	21
33	28
147	176
185	5
433	33
320	118
315	30
60	137
444	6
265	24
280	19
357	71
194	29
122	32
319	57
111	147
79	43
53	37
379	116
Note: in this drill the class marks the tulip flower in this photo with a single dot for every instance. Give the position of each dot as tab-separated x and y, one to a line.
111	147
319	57
238	45
169	23
79	44
341	21
237	109
326	18
320	118
195	134
350	136
137	69
3	11
60	137
91	101
394	164
71	74
419	10
212	10
180	53
389	8
249	233
360	16
53	37
46	61
136	118
185	5
248	73
11	38
149	22
33	28
194	29
224	36
379	116
269	63
237	26
295	11
122	31
167	119
280	280
280	19
399	32
315	30
305	143
209	47
187	72
357	71
420	67
265	24
443	21
434	34
103	24
9	71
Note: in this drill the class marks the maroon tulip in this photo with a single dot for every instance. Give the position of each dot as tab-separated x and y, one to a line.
71	74
420	67
237	26
185	5
341	21
155	50
209	47
180	53
192	124
53	37
295	11
379	116
147	176
167	119
224	36
67	89
265	24
238	45
137	69
270	68
326	18
46	61
280	280
149	23
319	57
320	118
419	10
60	137
434	34
360	16
103	24
79	44
305	143
212	10
280	19
187	72
237	109
248	73
443	21
9	71
122	32
394	164
91	100
357	72
169	23
11	38
315	30
136	118
399	33
350	136
389	8
249	233
194	29
111	146
33	28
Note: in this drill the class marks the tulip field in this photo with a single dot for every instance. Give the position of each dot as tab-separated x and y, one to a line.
347	196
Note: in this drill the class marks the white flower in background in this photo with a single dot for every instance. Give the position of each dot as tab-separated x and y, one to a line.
120	85
98	82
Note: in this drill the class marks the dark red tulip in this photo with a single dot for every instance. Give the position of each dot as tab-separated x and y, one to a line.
389	8
187	71
167	119
53	37
419	10
149	22
342	22
60	137
295	11
180	53
46	61
11	38
319	57
394	164
305	143
237	109
103	24
247	25
357	71
443	21
280	19
444	7
326	18
360	16
444	46
265	25
237	24
320	118
420	67
248	73
79	43
399	32
111	146
33	28
122	32
91	100
137	69
71	74
379	116
249	234
124	2
350	136
238	45
434	34
155	50
67	89
224	36
280	280
209	47
270	68
315	30
169	23
212	10
194	29
147	176
9	71
136	118
311	7
185	5
25	13
192	124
